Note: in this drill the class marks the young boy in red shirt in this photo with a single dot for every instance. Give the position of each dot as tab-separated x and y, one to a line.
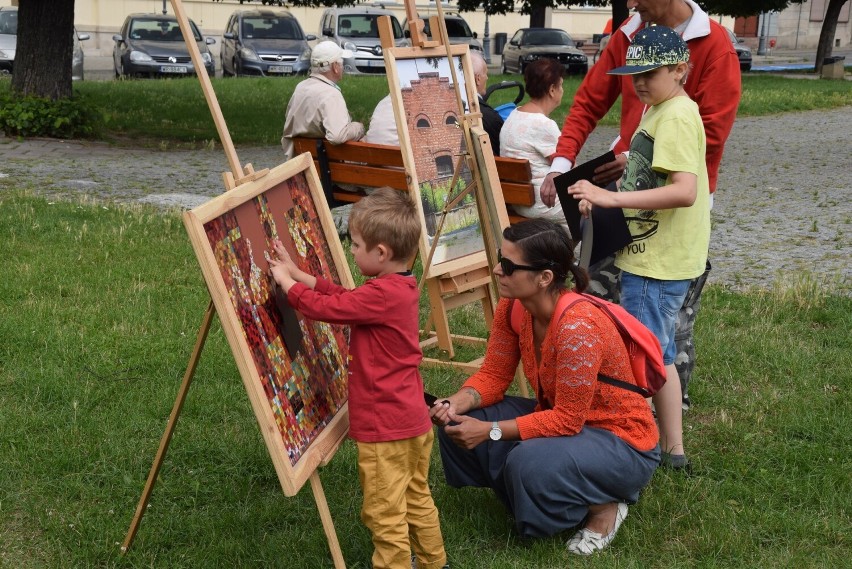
388	418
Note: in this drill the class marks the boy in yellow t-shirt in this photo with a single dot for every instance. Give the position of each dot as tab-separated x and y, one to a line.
665	197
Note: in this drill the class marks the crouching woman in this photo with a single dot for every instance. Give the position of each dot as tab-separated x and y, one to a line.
581	451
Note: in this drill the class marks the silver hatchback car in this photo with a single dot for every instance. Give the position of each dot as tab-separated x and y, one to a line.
357	30
265	42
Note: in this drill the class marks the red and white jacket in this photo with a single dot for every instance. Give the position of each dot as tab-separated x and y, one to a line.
714	83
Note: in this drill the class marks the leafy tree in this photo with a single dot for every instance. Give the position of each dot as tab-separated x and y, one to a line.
826	33
537	8
738	8
44	49
745	8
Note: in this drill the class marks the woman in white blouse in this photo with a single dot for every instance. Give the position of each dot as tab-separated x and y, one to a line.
529	133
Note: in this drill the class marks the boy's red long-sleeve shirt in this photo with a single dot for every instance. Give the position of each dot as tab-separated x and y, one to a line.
714	83
385	386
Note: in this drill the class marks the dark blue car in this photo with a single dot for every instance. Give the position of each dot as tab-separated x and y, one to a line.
151	45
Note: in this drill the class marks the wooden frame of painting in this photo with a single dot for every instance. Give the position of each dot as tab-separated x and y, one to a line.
294	369
432	140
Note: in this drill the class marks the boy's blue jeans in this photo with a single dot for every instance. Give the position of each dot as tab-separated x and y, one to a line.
655	304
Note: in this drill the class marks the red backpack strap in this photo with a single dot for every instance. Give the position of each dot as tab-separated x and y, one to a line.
516	316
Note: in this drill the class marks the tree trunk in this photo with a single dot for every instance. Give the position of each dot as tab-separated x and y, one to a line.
619	13
826	34
537	14
45	46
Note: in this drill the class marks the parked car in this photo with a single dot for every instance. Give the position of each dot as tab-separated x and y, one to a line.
357	30
9	42
265	42
77	56
529	44
458	31
8	37
151	45
743	51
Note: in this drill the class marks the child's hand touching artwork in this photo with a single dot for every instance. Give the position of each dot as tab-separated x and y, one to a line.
284	271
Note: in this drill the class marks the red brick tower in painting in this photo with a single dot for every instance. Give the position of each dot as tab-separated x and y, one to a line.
432	115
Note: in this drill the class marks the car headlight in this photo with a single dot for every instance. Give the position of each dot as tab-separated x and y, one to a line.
350	46
530	57
7	54
305	55
248	54
206	57
137	56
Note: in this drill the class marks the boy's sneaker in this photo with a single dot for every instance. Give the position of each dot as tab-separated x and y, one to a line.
674	461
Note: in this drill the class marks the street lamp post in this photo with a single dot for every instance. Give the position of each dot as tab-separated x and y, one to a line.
761	44
486	37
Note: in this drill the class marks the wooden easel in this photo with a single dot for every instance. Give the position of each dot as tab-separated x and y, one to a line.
460	282
237	176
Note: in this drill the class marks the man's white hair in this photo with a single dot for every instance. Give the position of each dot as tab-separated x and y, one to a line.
479	64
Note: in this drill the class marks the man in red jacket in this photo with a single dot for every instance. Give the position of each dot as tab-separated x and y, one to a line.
714	83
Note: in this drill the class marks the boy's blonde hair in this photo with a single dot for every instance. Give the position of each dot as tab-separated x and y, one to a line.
389	217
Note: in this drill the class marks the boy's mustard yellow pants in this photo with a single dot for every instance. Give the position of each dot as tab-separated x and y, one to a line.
398	508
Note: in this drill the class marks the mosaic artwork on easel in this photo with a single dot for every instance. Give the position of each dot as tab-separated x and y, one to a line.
301	363
435	138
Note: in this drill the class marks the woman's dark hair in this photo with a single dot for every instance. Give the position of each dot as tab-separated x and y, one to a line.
543	242
541	75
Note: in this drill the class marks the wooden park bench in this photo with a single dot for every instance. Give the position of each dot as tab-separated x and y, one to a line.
367	165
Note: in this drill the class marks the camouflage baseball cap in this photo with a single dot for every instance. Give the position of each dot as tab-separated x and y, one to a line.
651	48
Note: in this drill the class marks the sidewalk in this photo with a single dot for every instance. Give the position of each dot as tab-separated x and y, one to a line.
773	165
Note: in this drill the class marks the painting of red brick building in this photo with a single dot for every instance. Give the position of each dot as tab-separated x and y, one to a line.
433	109
431	112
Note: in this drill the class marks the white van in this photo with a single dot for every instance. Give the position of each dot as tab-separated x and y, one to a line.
357	30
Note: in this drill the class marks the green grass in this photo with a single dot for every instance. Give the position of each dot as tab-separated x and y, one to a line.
99	307
158	112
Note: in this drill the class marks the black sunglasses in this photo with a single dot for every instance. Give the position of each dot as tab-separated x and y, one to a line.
510	267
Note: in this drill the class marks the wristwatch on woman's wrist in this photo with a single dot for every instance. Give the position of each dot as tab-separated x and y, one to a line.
496	432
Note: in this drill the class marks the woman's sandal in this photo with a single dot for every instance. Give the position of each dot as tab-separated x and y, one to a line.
586	542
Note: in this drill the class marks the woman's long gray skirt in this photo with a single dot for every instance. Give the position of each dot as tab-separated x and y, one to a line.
549	483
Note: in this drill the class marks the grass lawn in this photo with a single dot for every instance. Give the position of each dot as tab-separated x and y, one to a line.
99	307
174	110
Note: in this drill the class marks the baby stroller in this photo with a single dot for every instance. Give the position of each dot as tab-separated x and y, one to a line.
506	108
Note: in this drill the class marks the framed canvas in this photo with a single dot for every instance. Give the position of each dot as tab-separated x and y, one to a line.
294	369
429	109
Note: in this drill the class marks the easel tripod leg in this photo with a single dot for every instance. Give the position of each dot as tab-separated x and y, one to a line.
327	522
170	428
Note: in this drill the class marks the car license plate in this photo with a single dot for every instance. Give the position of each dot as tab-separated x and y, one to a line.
173	69
281	69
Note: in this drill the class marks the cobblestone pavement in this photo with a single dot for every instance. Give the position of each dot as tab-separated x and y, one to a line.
782	208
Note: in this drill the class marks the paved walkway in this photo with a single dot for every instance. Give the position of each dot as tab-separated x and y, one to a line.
782	208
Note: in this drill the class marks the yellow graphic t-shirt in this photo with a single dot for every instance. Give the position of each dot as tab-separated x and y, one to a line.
668	244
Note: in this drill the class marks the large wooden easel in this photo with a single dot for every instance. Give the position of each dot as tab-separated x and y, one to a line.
237	176
465	280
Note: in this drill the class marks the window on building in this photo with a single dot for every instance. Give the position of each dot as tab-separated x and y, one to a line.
444	165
